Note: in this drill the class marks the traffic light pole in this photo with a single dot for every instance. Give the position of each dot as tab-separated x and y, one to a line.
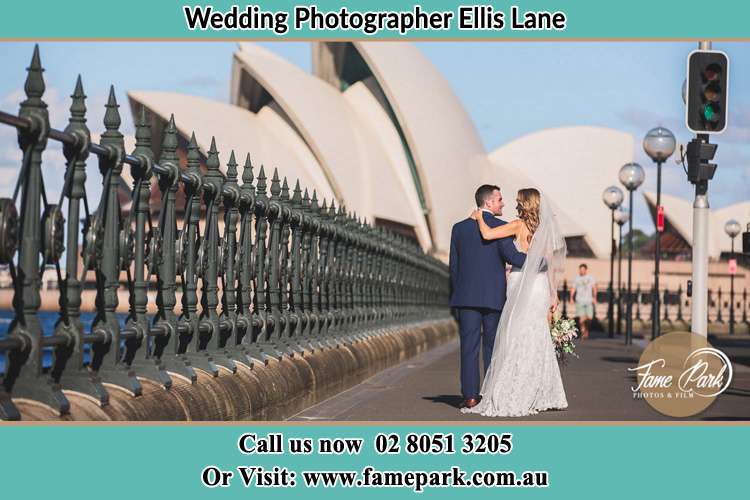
699	306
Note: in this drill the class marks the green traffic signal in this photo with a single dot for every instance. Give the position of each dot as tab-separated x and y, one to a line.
710	114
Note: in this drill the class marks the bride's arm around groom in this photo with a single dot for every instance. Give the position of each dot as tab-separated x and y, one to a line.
512	228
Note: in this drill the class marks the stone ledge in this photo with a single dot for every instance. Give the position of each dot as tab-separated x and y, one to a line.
274	391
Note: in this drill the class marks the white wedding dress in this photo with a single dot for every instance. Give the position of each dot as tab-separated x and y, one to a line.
523	377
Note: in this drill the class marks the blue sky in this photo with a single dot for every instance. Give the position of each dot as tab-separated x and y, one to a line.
509	89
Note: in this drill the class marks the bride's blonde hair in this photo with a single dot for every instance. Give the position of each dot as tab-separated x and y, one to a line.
528	209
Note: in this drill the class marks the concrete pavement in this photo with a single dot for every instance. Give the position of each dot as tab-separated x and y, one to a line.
597	385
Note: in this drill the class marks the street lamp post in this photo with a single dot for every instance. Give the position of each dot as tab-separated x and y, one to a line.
659	145
621	217
631	176
612	197
732	228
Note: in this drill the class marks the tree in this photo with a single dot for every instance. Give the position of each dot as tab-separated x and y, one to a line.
640	239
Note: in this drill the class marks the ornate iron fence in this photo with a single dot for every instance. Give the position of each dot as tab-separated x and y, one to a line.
286	274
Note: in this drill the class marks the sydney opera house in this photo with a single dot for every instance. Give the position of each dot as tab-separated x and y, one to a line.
378	128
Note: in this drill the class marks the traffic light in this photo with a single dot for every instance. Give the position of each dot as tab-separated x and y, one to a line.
699	156
707	86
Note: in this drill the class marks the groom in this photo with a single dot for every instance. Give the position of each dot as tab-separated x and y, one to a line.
477	269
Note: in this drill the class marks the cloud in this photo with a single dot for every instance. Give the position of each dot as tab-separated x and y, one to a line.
53	160
12	100
8	177
732	156
736	134
737	131
739	114
644	119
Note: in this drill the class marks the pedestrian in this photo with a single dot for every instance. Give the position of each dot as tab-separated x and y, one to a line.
583	294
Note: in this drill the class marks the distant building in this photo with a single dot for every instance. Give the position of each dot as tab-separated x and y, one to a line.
572	166
377	128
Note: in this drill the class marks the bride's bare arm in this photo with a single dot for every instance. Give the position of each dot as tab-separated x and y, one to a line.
494	233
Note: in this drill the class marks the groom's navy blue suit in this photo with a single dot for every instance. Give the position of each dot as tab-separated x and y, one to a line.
478	285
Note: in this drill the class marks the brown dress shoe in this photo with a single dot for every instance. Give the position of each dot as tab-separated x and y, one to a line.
470	403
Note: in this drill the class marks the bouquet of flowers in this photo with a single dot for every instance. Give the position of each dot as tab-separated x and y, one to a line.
563	332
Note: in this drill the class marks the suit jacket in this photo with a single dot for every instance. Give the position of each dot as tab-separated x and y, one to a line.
477	267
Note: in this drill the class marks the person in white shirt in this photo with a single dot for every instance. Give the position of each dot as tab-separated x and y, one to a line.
583	294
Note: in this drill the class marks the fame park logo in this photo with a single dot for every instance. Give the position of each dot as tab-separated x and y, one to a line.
679	374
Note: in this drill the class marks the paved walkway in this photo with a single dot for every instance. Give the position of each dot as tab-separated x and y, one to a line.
426	388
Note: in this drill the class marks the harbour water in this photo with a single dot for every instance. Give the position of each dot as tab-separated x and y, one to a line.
48	320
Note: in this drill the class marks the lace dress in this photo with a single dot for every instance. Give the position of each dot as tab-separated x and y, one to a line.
527	379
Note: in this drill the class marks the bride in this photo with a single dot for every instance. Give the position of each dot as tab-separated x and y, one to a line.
523	377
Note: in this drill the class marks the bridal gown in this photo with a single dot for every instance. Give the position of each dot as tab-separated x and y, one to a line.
527	379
